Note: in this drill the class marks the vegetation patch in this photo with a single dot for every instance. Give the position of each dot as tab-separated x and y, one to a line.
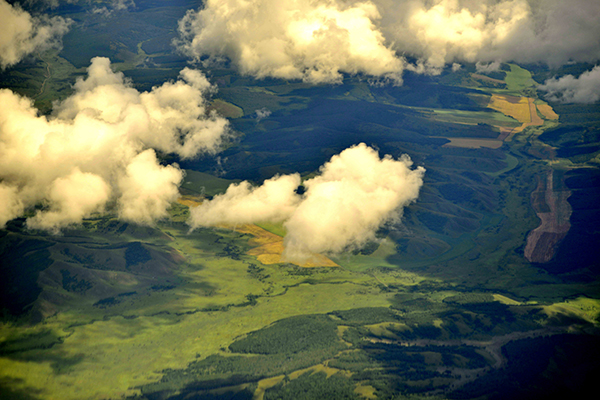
292	335
226	109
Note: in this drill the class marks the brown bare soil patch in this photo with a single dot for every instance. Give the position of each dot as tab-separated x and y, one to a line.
554	211
487	78
504	133
482	100
513	99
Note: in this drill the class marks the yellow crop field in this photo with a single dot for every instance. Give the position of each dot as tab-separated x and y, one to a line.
516	107
269	248
190	201
523	109
261	236
547	111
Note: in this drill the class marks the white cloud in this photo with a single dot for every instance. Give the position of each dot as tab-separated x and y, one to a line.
444	31
440	32
147	188
355	193
568	89
353	196
112	6
262	113
71	198
314	41
318	40
21	34
11	205
108	4
242	203
95	148
486	68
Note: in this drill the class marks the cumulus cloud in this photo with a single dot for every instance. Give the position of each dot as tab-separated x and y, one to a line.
487	68
355	193
440	32
568	89
112	6
315	41
242	203
147	188
71	198
108	4
122	4
21	34
11	205
443	31
318	40
48	3
262	113
98	148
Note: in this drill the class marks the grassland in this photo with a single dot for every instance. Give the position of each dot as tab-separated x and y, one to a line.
220	293
202	316
518	80
226	109
474	117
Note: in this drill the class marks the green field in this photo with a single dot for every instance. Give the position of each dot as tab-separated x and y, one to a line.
219	307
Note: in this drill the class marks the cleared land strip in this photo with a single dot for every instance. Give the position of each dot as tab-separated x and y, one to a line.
554	211
47	75
473	143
